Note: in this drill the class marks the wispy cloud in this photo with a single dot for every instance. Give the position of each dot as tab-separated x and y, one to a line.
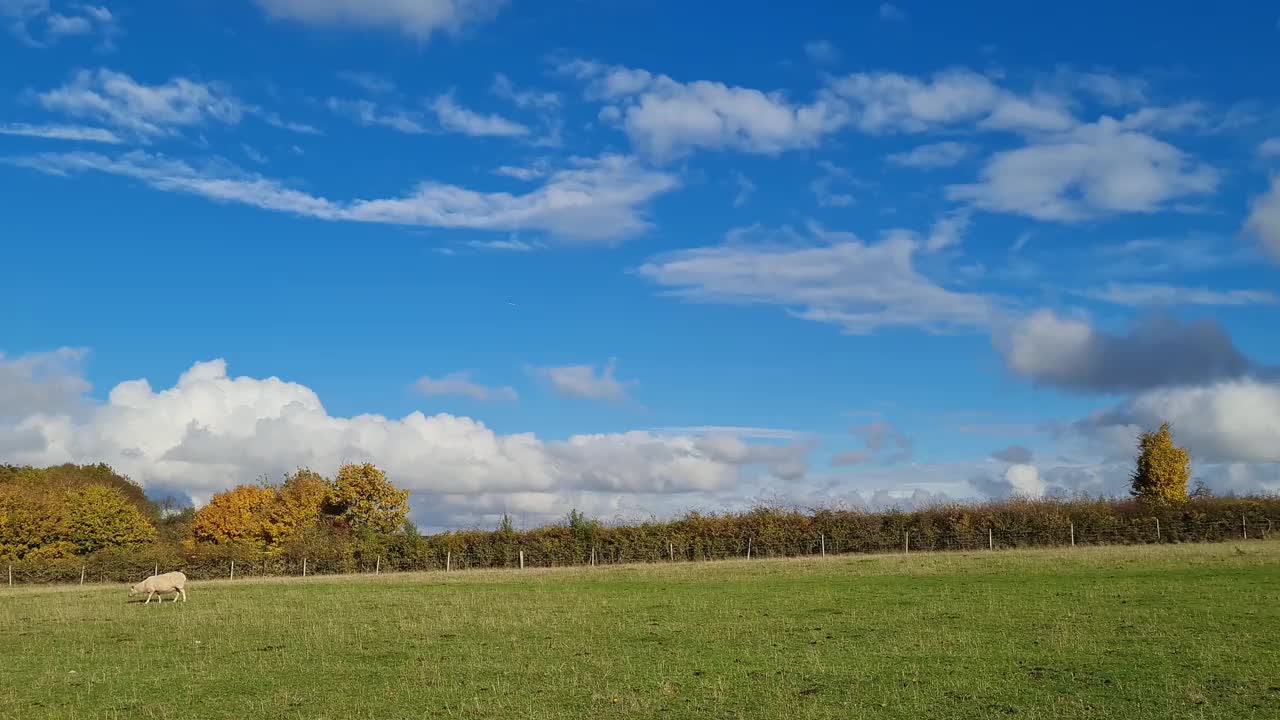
369	113
460	383
456	118
822	52
117	100
823	276
593	200
933	155
585	382
1156	294
417	18
891	13
62	132
369	82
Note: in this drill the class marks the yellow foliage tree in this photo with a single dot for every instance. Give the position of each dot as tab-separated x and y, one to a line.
363	497
1163	469
298	504
239	515
30	520
99	517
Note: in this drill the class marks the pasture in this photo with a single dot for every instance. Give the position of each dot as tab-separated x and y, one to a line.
1174	631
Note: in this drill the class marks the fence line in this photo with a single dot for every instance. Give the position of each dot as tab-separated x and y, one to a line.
671	550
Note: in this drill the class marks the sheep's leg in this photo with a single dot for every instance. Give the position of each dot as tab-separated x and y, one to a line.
148	602
184	594
175	596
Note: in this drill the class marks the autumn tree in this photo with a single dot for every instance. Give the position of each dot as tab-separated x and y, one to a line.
239	515
298	504
1163	469
101	516
366	500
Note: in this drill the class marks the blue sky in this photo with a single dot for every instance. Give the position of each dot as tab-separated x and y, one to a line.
638	257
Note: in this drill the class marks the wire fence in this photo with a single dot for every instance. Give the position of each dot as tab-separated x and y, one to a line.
673	549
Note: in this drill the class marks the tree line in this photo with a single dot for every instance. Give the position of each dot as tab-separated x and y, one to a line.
61	519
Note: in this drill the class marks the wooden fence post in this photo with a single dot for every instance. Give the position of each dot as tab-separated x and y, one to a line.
157	572
906	542
448	560
1244	527
593	556
823	537
10	574
1157	529
304	567
671	551
748	548
233	569
377	567
521	559
82	575
1073	534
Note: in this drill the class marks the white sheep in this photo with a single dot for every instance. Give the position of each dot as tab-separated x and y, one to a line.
170	582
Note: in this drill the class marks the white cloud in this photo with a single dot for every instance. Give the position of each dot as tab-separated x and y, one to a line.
48	382
824	187
460	383
582	381
254	154
524	99
879	436
456	118
37	23
596	199
148	110
1094	170
666	119
211	431
1019	480
369	82
822	52
823	276
417	18
274	120
1263	223
891	13
1230	421
933	155
884	102
746	189
948	231
62	132
1269	148
520	173
510	245
368	113
1073	355
1140	294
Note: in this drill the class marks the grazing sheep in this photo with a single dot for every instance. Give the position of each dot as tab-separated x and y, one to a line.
170	582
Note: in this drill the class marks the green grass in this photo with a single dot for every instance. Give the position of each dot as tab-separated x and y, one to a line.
1131	632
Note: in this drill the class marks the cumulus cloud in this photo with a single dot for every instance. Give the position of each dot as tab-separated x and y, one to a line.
665	118
1230	421
820	275
1095	169
460	383
79	133
582	381
1263	223
933	155
1161	351
595	199
116	99
456	118
417	18
210	431
48	382
1018	480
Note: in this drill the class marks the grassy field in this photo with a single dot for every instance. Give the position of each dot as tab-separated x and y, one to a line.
1130	632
